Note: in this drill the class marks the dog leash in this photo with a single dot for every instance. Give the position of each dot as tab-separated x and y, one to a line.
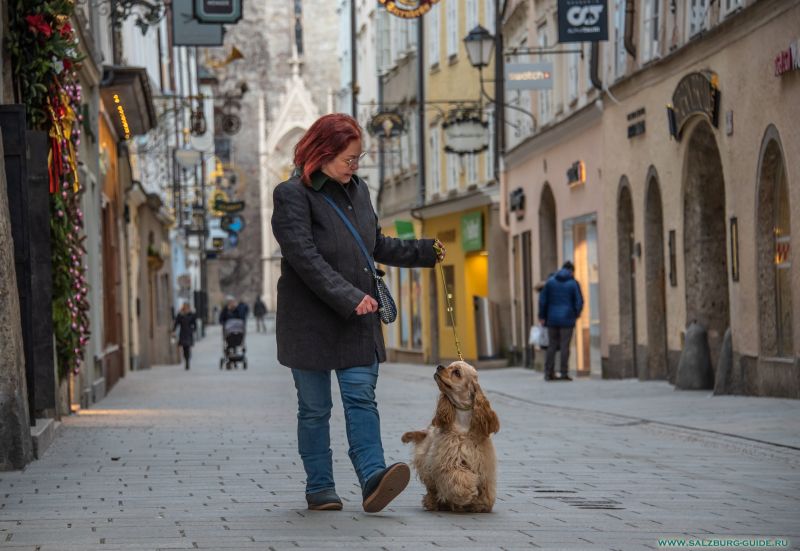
448	296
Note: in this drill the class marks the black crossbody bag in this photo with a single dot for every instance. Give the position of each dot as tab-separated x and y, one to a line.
387	309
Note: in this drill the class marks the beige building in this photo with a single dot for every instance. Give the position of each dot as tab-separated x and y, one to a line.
668	181
554	165
699	205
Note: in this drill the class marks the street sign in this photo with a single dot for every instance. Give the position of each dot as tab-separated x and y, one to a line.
218	11
582	20
188	31
234	224
529	76
228	207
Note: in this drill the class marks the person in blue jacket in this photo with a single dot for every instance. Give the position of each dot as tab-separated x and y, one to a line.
560	304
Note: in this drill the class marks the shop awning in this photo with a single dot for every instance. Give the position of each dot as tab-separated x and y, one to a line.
128	99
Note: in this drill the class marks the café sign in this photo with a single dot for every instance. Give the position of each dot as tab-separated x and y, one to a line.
408	9
696	94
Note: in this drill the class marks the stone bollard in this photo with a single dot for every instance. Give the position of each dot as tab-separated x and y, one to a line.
694	369
723	380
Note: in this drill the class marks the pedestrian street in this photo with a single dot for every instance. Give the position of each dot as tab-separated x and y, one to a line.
206	459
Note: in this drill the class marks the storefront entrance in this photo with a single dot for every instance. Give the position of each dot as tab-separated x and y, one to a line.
704	238
657	365
580	246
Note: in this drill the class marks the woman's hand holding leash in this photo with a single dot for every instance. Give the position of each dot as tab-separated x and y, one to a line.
440	250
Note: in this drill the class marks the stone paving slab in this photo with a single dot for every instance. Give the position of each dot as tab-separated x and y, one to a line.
207	459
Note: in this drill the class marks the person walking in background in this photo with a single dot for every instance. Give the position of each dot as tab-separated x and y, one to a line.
232	310
560	305
327	316
259	311
186	323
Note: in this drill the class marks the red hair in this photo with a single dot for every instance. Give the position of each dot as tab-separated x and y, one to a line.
327	137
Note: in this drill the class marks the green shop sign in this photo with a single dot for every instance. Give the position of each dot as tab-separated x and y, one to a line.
472	232
405	229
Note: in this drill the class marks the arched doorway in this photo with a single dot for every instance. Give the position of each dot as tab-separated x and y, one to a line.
704	238
657	365
773	240
548	242
627	290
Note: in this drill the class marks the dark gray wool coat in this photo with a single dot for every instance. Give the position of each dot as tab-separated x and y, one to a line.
324	274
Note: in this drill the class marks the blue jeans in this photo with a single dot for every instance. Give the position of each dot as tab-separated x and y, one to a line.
357	387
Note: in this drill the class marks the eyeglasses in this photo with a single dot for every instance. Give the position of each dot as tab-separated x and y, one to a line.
354	161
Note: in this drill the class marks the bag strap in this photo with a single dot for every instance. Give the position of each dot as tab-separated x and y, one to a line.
354	232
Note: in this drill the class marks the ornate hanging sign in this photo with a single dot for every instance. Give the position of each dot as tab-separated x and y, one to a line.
388	124
408	9
696	94
465	135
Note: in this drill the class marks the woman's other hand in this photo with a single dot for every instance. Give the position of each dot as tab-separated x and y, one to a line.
367	306
440	250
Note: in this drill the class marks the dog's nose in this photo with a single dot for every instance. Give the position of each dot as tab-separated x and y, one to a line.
439	368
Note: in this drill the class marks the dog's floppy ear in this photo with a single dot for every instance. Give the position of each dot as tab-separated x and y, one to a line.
445	413
484	419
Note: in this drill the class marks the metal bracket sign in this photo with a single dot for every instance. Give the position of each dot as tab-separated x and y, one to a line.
582	20
529	76
218	11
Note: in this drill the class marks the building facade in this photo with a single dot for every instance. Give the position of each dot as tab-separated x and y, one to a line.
700	204
462	198
671	215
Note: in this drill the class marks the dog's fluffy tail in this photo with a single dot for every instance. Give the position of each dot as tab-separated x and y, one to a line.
415	436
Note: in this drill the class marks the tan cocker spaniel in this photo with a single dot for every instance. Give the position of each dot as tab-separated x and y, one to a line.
454	457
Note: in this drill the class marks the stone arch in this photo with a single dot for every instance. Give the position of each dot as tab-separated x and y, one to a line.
548	233
655	286
773	236
627	287
704	238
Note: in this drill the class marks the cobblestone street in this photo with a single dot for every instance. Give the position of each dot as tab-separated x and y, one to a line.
206	459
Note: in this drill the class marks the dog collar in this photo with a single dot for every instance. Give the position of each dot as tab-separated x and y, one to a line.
462	408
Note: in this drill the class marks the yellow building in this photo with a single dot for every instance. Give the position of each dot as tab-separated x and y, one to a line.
461	197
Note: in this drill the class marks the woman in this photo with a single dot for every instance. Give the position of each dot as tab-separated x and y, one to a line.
327	317
185	323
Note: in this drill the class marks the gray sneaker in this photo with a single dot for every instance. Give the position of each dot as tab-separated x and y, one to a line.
326	500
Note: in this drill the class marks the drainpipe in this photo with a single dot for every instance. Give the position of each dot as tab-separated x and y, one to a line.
594	68
630	12
499	114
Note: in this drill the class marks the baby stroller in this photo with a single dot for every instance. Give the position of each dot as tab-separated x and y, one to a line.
233	332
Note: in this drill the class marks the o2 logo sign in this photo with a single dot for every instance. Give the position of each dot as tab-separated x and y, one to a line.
582	20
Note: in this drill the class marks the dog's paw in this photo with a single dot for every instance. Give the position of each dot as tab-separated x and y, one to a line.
415	436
